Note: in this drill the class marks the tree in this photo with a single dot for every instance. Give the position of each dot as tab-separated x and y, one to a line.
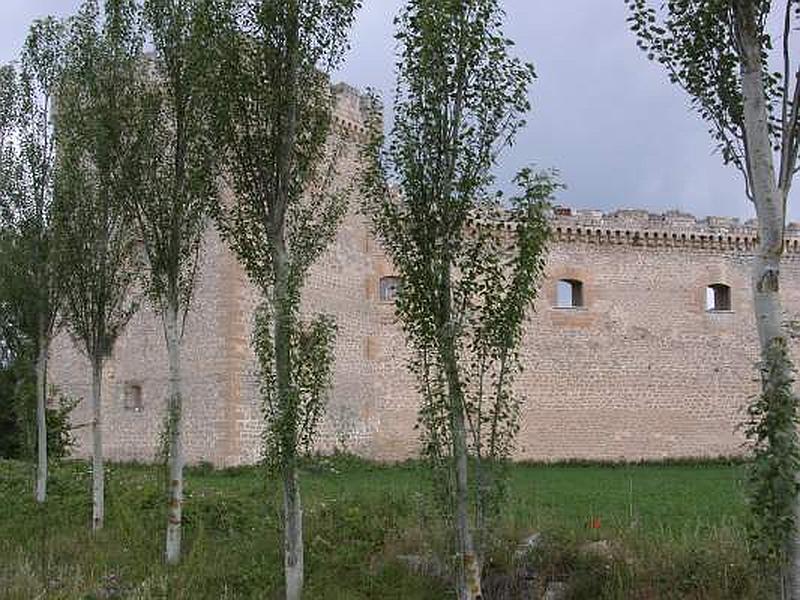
469	260
99	163
273	118
30	283
172	208
719	52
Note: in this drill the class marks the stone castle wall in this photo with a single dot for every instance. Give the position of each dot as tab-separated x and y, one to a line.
641	370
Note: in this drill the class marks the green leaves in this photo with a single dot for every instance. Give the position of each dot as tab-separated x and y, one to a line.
719	52
272	115
268	64
771	429
470	259
178	188
100	164
30	283
293	420
699	45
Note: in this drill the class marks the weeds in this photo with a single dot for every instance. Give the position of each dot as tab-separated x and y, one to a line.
665	531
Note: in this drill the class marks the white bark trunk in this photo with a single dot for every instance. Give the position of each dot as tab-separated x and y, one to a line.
770	207
794	555
469	583
174	419
293	514
98	475
41	422
293	534
470	587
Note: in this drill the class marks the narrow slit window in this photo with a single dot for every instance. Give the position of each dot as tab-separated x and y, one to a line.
718	297
569	294
389	286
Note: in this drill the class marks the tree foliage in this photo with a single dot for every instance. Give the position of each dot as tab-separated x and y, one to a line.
469	258
273	108
172	207
18	418
179	180
30	281
699	44
311	357
273	115
101	148
99	169
720	52
771	426
273	112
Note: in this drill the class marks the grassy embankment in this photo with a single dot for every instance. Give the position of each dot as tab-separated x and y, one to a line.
670	531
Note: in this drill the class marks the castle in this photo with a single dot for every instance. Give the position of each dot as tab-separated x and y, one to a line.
642	345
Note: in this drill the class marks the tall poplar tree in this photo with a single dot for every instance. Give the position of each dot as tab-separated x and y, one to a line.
100	155
172	207
719	52
30	282
469	259
273	119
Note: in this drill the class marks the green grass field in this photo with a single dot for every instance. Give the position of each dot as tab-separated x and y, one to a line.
669	531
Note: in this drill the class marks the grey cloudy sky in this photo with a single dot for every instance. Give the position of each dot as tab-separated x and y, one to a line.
605	116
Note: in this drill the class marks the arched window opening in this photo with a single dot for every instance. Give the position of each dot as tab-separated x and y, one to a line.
718	297
569	293
389	286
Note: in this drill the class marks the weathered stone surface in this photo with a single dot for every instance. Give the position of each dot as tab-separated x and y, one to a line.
641	371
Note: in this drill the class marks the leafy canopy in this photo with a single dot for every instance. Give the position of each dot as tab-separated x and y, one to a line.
469	258
273	116
30	285
699	44
178	189
100	152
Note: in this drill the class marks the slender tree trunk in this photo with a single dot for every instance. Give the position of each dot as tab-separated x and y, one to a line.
174	425
293	518
284	315
293	533
98	474
469	584
794	552
41	421
770	209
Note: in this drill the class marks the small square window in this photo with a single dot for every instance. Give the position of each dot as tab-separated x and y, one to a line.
389	286
569	293
133	397
718	297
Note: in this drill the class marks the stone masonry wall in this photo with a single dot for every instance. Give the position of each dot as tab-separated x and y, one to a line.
213	335
642	370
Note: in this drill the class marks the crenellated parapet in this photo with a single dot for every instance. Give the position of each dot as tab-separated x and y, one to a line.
669	229
351	108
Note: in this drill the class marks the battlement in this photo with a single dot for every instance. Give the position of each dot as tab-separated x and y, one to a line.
352	107
642	228
673	220
669	229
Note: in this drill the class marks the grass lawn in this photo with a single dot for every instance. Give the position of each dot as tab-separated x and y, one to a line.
667	531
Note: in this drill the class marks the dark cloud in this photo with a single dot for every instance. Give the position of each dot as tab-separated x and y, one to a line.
603	114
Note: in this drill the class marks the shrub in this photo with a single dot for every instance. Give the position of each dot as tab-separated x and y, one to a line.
18	414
